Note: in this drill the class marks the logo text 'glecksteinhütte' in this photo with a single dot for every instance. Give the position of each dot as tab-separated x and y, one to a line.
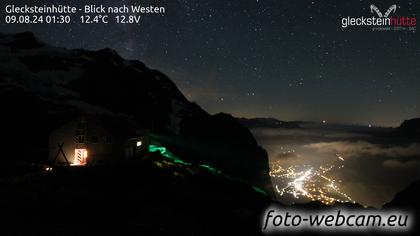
382	21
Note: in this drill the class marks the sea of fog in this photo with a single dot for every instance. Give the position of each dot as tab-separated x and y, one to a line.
368	167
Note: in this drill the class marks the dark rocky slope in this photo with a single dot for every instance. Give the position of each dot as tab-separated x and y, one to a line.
410	128
408	201
150	197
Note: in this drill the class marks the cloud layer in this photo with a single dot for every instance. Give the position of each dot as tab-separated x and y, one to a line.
364	148
376	168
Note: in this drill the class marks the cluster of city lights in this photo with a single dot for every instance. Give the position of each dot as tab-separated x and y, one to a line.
309	182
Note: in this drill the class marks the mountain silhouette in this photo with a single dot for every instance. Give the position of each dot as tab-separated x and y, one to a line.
42	86
410	128
268	123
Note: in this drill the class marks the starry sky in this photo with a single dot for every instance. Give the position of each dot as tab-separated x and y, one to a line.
266	58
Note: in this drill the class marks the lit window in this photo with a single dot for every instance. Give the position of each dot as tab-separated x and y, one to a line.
139	143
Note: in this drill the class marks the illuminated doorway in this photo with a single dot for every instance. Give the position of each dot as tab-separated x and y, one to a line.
80	156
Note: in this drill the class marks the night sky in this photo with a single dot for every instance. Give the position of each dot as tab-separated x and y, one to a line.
267	58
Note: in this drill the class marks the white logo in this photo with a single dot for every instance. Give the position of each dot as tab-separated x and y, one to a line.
391	9
379	21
